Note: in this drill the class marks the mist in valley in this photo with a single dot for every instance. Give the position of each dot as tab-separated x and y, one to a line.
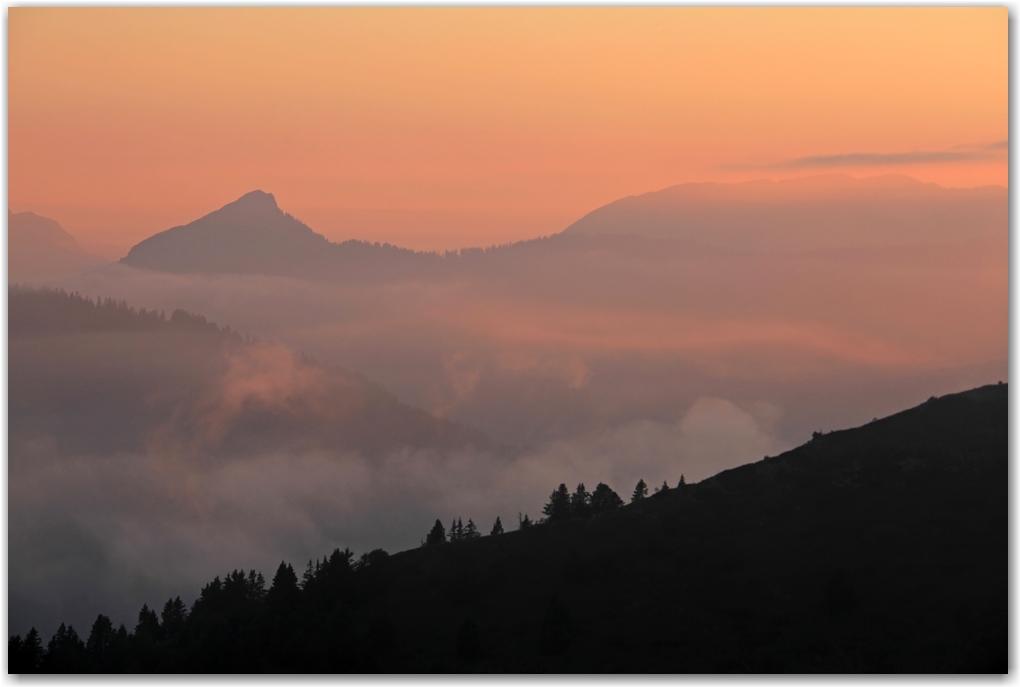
462	385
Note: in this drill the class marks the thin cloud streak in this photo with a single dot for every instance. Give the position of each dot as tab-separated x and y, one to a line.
964	153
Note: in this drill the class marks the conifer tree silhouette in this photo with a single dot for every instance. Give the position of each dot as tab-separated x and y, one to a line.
682	480
640	491
497	527
24	655
148	624
175	613
604	499
580	502
437	535
470	530
558	507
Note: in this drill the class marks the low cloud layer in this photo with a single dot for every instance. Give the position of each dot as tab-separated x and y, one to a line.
93	534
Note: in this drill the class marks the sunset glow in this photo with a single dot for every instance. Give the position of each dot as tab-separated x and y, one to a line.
437	128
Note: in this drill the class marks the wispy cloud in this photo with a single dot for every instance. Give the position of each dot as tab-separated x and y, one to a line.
963	153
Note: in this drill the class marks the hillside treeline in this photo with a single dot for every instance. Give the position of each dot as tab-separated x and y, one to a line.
39	311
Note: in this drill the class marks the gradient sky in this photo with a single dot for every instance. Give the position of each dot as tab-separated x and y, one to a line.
444	127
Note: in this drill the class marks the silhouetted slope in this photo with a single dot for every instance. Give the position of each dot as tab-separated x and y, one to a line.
831	211
39	248
877	549
253	236
102	377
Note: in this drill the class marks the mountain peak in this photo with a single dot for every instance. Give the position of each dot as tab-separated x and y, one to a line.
250	235
255	200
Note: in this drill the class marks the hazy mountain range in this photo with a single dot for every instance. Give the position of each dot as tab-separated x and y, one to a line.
102	378
39	248
823	212
885	287
656	336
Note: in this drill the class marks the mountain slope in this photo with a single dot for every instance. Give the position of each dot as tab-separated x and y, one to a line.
253	236
39	248
101	378
877	549
822	212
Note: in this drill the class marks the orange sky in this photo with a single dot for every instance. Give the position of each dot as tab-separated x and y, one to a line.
444	127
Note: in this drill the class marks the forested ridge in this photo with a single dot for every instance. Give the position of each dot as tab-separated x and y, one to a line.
98	376
35	311
877	549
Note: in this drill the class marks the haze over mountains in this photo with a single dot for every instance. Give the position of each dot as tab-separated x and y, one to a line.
654	337
811	213
634	312
39	248
253	236
124	426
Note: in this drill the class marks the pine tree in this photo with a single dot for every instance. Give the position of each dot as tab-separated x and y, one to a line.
682	481
664	487
525	523
32	651
471	531
497	528
580	502
640	491
604	499
175	612
457	530
100	643
437	535
148	624
558	507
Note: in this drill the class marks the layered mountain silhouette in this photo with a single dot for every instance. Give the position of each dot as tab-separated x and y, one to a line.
100	378
253	236
881	549
822	212
39	248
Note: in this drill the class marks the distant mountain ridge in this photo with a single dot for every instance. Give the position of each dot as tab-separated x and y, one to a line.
39	248
252	235
808	213
100	376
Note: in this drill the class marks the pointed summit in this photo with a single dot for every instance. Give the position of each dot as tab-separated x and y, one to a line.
249	235
255	200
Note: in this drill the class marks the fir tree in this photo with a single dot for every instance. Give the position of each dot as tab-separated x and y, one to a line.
682	481
175	612
558	507
437	535
580	502
640	491
604	499
497	528
148	624
471	531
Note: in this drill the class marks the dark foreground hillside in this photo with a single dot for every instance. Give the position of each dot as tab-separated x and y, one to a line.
876	549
